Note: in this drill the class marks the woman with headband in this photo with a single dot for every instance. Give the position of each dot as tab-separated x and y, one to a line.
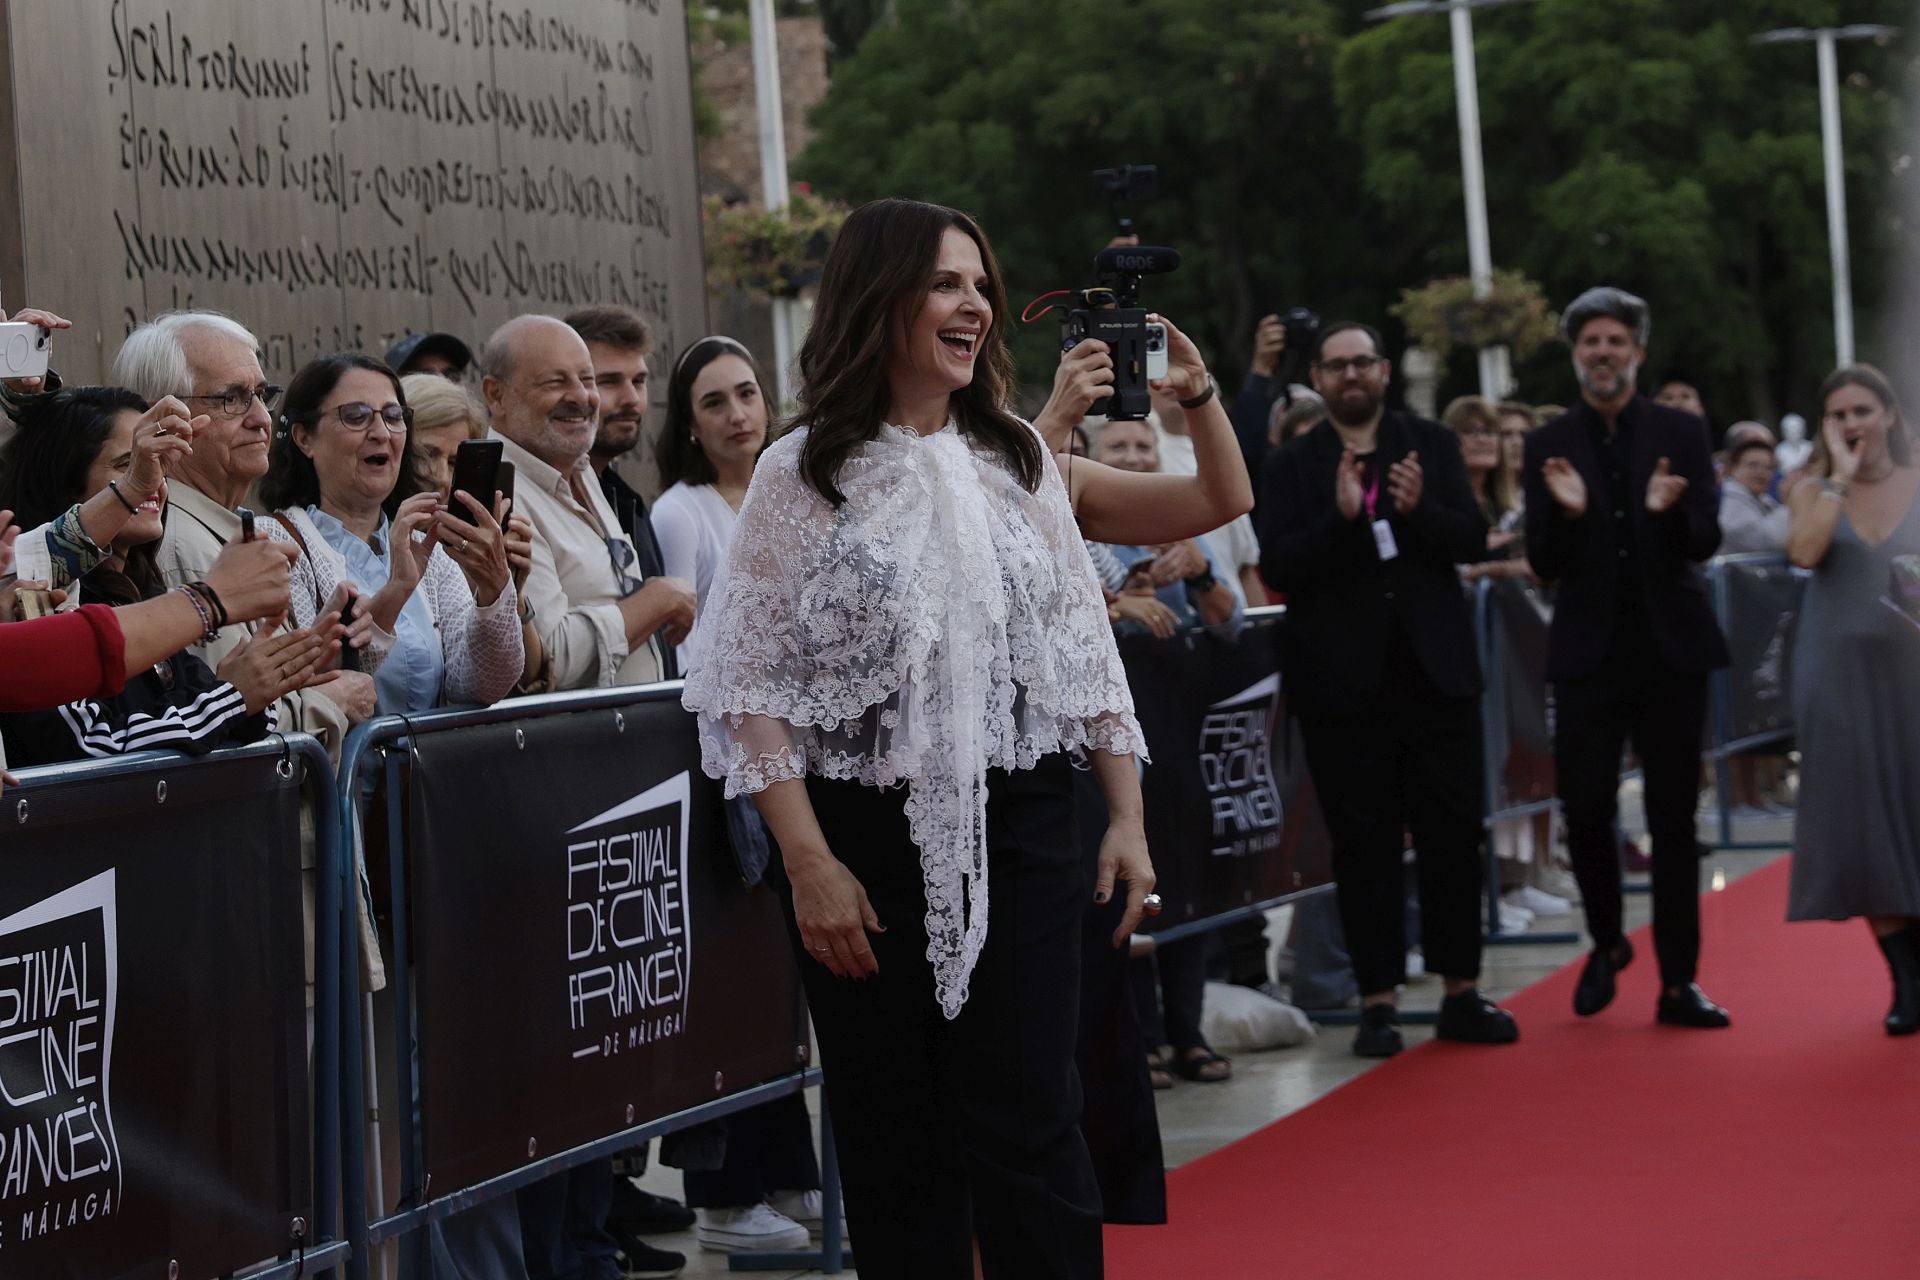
765	1195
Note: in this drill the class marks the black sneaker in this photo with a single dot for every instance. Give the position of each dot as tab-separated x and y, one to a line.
644	1214
1473	1019
1379	1034
644	1262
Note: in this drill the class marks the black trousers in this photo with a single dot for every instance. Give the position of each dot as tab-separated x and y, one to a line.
1635	697
769	1148
563	1225
1412	763
1169	987
952	1130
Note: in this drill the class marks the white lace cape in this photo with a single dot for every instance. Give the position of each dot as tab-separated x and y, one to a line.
944	621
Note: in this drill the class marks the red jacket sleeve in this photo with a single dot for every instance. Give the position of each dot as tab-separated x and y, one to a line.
64	658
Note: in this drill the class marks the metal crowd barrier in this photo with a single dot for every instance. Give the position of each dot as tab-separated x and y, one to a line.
162	841
376	759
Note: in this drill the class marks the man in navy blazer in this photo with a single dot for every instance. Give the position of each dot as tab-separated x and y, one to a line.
1621	511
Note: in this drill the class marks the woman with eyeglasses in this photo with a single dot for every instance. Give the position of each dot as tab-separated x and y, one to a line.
344	484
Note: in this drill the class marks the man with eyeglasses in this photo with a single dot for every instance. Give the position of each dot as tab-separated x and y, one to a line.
1363	519
212	362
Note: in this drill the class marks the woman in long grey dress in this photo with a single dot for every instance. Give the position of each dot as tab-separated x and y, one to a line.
1857	680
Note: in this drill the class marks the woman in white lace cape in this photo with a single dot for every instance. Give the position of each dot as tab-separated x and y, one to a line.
906	599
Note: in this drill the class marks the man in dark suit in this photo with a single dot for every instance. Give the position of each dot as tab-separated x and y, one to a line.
1364	518
1621	510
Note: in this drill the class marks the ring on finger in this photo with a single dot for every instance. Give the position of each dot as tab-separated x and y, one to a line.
822	948
1151	904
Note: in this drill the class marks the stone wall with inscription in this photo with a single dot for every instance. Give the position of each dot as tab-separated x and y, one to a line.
336	172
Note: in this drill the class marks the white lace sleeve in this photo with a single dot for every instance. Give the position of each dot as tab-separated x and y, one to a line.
752	692
483	648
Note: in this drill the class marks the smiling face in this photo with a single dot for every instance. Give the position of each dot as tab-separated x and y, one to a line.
547	402
729	414
112	463
1479	444
1753	469
1351	377
356	469
1606	359
620	375
229	450
934	350
1127	445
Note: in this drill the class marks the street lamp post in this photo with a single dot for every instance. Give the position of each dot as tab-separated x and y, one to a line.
1824	40
773	172
1466	99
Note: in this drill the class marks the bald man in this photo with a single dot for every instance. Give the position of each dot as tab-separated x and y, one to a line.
602	622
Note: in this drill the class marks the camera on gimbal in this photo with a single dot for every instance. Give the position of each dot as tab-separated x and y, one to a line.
1109	311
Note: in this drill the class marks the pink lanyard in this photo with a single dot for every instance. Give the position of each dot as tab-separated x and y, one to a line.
1373	489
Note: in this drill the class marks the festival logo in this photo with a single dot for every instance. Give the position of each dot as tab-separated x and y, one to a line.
629	938
59	1159
1236	766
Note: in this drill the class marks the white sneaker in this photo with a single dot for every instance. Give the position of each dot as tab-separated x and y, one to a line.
804	1207
757	1228
1559	882
1514	919
1538	901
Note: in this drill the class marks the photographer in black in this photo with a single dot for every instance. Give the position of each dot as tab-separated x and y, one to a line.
1363	519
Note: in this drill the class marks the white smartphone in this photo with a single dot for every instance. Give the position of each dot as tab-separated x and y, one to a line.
1156	352
24	349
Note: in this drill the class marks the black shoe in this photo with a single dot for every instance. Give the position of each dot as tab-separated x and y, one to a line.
1691	1008
1595	989
1471	1018
643	1261
641	1213
1379	1034
1902	950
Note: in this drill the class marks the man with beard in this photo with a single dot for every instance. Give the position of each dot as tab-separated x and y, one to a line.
1363	519
1621	510
619	342
602	620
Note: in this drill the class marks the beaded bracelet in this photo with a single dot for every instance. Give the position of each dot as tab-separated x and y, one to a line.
213	601
208	631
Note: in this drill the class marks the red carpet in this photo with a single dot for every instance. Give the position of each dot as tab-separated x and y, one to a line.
1785	1147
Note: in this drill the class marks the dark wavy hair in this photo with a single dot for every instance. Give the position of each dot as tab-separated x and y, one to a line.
44	471
680	457
879	270
291	480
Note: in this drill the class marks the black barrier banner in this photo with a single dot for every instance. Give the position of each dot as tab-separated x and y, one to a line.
1522	747
153	1070
586	955
1763	617
1230	817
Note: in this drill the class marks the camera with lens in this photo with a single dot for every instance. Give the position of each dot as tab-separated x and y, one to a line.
1110	312
1303	327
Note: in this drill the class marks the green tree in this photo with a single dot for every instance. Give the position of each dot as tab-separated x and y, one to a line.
1003	107
1651	144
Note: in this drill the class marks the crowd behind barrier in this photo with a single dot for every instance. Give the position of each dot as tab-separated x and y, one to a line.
614	869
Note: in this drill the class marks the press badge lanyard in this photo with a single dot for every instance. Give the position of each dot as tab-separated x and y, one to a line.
1382	531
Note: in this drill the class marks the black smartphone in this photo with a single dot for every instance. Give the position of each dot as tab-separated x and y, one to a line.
503	481
349	656
476	470
246	523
